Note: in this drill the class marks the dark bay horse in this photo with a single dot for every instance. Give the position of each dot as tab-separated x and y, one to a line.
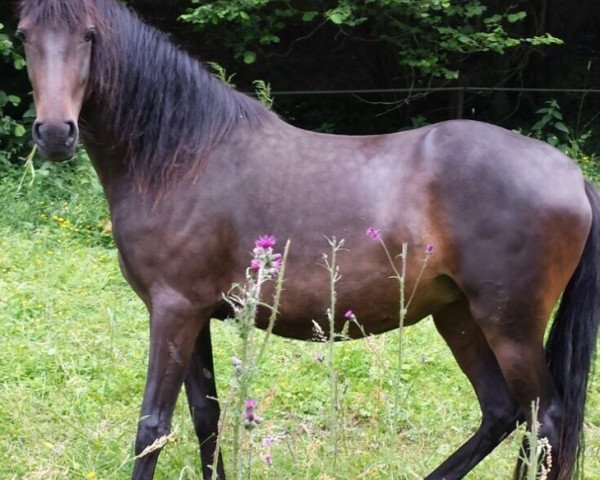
194	172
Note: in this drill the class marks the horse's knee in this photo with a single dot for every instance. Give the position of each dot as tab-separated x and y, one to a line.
499	420
150	429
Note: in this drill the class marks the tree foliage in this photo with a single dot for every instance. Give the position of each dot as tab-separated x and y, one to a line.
11	130
428	36
372	45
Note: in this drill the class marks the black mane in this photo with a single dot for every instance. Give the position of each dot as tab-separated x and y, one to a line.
165	110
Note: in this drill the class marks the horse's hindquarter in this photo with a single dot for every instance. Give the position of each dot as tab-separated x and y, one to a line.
516	215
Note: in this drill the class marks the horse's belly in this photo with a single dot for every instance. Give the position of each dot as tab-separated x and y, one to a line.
358	312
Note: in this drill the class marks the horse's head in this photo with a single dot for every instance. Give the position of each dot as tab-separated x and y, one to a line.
58	37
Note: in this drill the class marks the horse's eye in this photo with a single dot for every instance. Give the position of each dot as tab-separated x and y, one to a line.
21	36
90	35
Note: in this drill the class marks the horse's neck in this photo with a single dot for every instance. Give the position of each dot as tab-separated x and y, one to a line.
102	147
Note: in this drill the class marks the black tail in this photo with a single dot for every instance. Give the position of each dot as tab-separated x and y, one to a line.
571	346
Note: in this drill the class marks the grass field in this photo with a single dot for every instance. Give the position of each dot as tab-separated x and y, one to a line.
73	363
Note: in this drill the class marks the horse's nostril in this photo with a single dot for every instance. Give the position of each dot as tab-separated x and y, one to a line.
72	128
37	130
72	135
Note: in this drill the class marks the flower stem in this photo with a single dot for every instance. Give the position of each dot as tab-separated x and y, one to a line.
333	376
275	306
401	317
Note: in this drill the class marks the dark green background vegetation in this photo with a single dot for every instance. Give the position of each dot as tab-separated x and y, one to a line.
373	45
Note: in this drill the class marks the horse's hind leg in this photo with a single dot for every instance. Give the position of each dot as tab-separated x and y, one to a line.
513	316
202	399
499	410
522	361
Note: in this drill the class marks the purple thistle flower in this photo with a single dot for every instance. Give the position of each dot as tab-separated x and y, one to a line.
319	357
268	441
255	265
265	241
348	314
276	262
429	248
250	405
373	233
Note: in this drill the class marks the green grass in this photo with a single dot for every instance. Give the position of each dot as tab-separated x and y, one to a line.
73	346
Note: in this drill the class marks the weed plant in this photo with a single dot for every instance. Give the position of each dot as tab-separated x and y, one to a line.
536	453
245	301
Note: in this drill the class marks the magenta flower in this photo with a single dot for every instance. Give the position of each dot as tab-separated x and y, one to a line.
276	261
373	233
268	441
429	248
265	241
348	314
251	420
265	260
250	405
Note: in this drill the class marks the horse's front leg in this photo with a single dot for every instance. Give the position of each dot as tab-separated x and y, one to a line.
175	324
204	408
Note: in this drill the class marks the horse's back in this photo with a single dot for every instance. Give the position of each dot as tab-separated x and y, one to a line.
481	170
475	148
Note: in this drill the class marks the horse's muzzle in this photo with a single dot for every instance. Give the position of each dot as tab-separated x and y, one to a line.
56	141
